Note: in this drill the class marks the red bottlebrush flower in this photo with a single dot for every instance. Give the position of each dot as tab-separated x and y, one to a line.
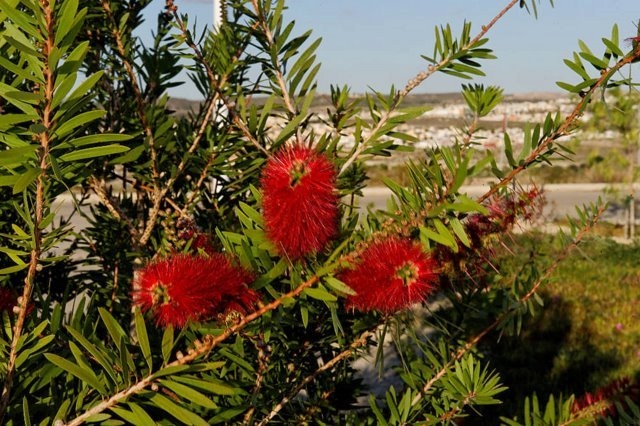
602	402
9	300
185	288
504	213
633	41
300	202
391	275
202	243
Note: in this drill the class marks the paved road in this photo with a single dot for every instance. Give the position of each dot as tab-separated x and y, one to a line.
561	199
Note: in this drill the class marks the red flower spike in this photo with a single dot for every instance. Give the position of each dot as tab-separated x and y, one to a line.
391	275
185	288
602	402
8	299
300	202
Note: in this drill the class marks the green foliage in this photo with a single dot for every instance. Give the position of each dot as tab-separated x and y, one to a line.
86	119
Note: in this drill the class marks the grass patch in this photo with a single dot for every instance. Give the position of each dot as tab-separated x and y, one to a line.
588	333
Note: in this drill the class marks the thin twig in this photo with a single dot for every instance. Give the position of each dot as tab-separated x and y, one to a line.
361	341
219	81
140	104
203	176
99	188
418	79
277	66
263	365
160	194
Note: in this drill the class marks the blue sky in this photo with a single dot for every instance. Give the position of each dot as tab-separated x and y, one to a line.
374	43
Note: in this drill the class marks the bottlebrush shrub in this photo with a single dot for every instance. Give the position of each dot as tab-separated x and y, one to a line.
220	265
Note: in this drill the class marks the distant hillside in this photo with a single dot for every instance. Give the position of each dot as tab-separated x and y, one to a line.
322	101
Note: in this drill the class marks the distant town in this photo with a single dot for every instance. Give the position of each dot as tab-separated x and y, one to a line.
440	126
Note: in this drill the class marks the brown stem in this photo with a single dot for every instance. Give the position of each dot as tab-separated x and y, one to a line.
114	292
505	315
160	194
99	188
416	81
40	204
209	343
219	81
286	96
361	341
263	364
563	130
203	176
140	104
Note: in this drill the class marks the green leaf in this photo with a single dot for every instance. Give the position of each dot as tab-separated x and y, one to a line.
17	99
66	16
170	370
613	47
100	418
84	374
289	129
339	286
28	353
578	68
8	120
189	393
24	21
17	155
96	353
442	230
320	293
209	385
458	229
63	84
131	155
597	63
19	40
143	338
144	418
113	327
81	90
434	236
176	411
93	139
252	213
568	87
9	180
25	412
79	120
26	97
98	151
26	179
167	343
133	417
508	150
17	70
227	415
